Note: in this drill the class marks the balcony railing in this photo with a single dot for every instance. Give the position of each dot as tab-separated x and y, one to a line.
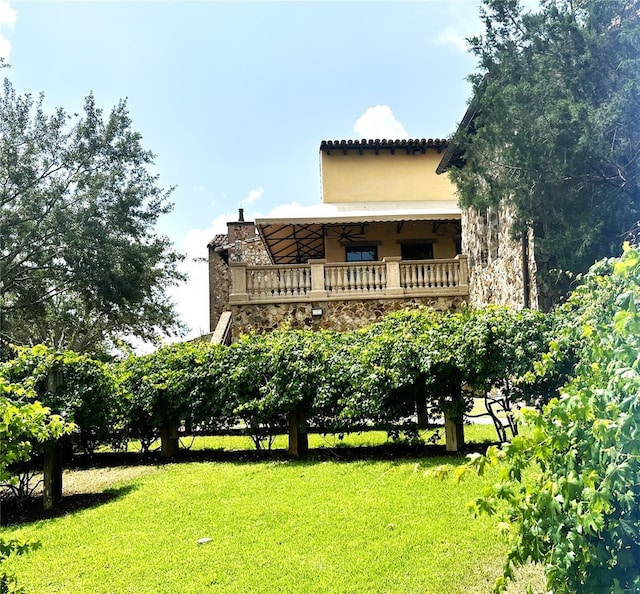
318	280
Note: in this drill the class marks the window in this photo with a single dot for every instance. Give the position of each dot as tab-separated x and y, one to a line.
417	251
361	253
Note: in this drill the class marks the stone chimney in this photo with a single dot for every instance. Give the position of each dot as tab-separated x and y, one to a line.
240	230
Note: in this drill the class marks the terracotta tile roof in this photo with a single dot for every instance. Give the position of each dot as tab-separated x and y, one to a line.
218	241
408	145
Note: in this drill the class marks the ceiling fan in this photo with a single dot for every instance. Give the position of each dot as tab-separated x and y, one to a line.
347	232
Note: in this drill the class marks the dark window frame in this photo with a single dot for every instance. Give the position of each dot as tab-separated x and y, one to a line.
352	250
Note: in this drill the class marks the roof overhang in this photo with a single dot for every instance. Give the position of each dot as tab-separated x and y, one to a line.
299	237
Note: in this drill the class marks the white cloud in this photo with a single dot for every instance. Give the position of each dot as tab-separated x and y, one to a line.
7	14
8	18
253	196
379	122
453	36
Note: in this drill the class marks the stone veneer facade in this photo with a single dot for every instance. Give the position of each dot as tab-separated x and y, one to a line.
497	273
336	315
496	276
241	244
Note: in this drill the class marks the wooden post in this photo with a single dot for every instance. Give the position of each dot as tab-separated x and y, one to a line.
52	480
423	413
454	431
52	470
169	441
298	438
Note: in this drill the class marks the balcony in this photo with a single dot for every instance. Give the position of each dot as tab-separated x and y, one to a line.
322	281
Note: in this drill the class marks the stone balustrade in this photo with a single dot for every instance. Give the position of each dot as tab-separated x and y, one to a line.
322	281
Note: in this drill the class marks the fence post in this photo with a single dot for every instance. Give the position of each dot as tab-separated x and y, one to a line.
169	441
52	468
454	431
298	438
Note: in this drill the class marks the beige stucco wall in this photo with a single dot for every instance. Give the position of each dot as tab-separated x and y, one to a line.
336	315
383	177
389	237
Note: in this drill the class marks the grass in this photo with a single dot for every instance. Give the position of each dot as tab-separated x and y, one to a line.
325	527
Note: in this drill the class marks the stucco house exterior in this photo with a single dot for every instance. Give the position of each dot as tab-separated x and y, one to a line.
387	235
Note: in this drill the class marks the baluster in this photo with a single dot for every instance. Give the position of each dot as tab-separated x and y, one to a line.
438	276
422	276
269	282
428	276
335	279
249	282
302	281
284	285
289	280
256	281
307	280
252	284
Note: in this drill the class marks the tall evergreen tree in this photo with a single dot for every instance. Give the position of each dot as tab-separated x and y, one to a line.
556	128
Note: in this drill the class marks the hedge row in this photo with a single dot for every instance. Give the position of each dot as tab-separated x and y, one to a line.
411	361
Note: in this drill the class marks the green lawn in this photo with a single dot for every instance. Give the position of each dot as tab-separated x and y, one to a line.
328	526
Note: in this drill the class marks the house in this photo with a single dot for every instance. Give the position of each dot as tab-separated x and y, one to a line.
388	235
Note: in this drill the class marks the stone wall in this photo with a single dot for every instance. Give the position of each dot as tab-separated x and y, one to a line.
336	315
496	272
241	244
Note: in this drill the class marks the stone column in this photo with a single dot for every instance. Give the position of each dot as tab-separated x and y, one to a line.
464	269
238	282
318	290
393	275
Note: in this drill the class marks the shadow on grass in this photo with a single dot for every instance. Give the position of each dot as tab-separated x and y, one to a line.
387	451
15	512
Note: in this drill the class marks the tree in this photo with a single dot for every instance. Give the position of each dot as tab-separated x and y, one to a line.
80	262
553	127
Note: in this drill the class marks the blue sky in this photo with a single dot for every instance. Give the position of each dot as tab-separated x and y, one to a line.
234	98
